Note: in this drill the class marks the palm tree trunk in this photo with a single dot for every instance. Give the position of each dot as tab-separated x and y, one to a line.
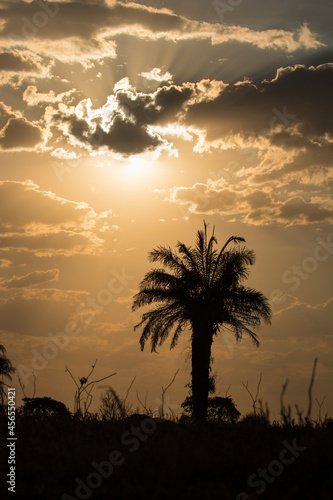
202	338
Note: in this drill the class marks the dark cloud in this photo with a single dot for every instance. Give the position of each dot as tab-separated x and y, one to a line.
18	133
297	208
257	14
160	107
88	20
81	18
14	62
296	96
126	119
123	137
287	112
127	138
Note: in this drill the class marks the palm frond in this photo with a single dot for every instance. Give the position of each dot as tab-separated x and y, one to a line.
189	256
168	258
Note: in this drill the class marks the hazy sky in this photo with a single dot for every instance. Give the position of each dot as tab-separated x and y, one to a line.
123	126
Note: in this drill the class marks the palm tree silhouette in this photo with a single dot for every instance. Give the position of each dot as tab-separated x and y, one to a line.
6	368
204	291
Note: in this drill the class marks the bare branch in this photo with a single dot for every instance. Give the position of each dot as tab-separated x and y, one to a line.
22	386
308	415
284	388
299	413
92	369
164	391
83	389
68	370
172	381
319	409
141	403
33	395
254	400
100	380
258	386
129	390
88	400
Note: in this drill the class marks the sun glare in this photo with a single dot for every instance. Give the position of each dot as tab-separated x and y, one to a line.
138	169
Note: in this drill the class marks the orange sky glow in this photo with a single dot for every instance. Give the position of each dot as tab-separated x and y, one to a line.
124	125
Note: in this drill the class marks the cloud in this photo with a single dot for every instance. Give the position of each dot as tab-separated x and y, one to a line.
19	65
48	225
124	125
31	279
6	113
156	75
32	97
251	205
122	136
278	113
5	263
297	209
282	118
294	102
38	315
96	22
315	318
16	132
16	62
20	134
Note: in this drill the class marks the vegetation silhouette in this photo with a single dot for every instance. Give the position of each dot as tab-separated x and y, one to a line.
44	407
219	409
172	458
204	291
6	370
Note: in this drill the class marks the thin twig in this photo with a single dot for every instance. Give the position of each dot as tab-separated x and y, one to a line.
319	409
141	403
92	369
254	400
22	386
308	415
284	388
164	391
33	395
100	380
299	413
129	389
258	386
83	388
68	370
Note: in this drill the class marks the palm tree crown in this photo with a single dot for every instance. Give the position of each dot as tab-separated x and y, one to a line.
6	369
203	290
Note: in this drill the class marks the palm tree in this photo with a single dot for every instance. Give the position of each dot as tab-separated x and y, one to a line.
204	291
6	368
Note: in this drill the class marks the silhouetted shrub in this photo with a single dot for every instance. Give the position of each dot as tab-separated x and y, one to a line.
43	407
219	409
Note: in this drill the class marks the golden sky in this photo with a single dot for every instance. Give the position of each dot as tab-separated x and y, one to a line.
123	125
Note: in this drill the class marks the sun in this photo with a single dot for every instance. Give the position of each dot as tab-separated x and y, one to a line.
139	169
